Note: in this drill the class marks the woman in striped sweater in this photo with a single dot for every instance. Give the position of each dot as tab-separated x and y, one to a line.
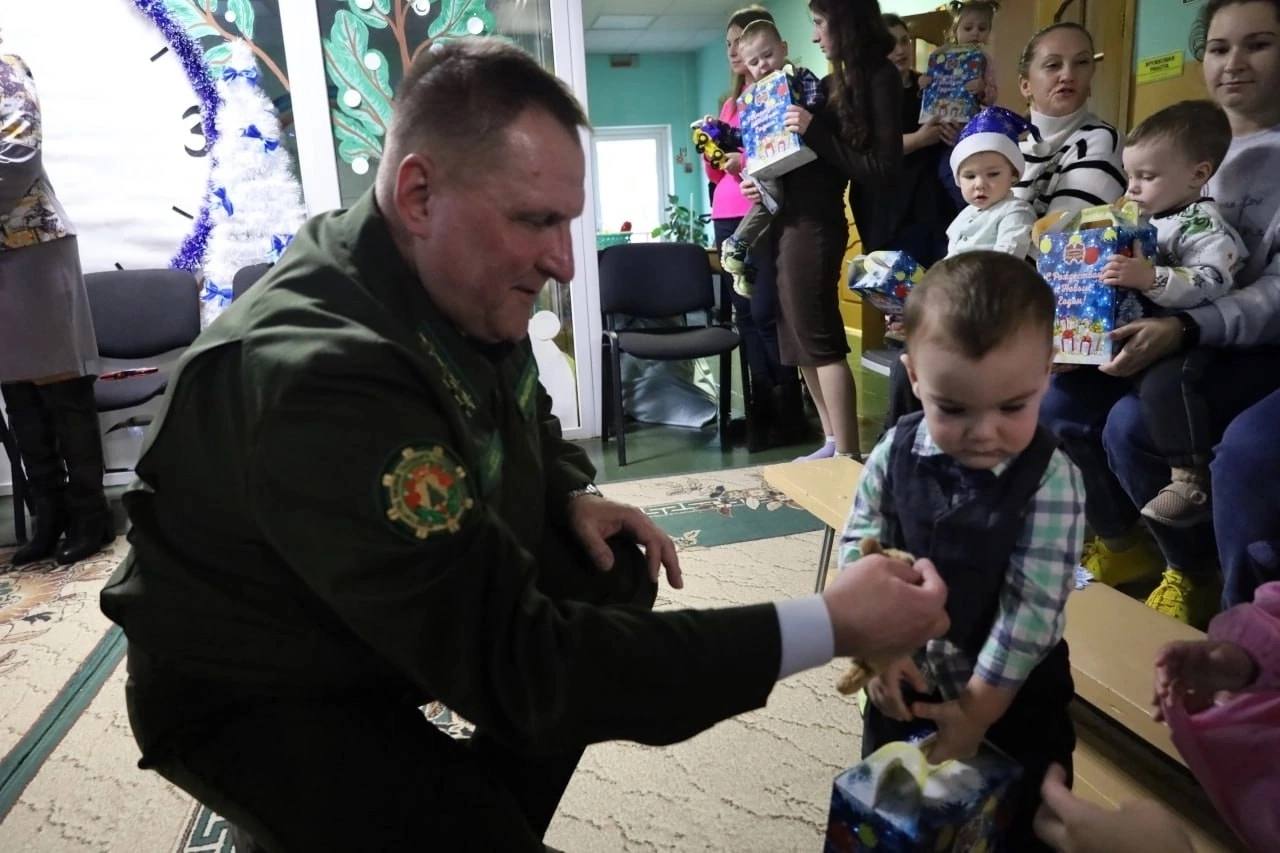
1076	161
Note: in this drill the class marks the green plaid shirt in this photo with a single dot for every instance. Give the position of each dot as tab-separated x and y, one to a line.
1040	576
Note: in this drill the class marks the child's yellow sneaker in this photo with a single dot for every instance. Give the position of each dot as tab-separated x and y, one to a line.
1179	597
1141	560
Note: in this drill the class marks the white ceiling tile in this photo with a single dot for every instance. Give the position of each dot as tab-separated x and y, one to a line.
687	22
602	41
622	22
661	41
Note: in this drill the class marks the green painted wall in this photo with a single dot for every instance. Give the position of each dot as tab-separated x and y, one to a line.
1164	26
792	18
660	88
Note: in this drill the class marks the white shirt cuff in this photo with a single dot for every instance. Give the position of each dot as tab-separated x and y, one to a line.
807	637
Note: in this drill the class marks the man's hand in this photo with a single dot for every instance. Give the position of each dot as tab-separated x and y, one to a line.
1136	273
1191	673
733	163
797	119
595	519
885	689
1069	824
882	609
1148	341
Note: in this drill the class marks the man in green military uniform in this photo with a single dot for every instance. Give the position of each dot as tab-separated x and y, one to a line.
357	501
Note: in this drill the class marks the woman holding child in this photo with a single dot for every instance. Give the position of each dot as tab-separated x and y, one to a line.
775	413
854	144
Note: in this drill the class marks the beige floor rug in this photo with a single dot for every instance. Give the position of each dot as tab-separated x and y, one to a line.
760	782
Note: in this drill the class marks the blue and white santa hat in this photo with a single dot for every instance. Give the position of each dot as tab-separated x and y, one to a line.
993	129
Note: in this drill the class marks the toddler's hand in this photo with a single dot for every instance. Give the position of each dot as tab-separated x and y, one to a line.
960	732
925	80
885	689
1135	273
976	87
1190	673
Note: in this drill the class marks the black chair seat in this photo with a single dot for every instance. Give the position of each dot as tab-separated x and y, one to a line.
114	394
678	344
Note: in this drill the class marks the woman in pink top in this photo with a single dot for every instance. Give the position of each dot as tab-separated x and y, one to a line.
775	413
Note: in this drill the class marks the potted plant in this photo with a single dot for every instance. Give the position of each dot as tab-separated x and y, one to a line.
682	225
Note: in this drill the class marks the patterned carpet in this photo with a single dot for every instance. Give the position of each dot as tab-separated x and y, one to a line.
758	782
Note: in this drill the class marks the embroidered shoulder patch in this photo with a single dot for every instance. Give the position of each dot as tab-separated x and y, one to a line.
424	491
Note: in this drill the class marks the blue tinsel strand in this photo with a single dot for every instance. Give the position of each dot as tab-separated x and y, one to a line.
191	254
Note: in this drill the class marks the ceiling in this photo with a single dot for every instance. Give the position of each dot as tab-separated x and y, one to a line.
650	26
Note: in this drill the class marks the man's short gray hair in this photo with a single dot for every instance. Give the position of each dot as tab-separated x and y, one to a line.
458	98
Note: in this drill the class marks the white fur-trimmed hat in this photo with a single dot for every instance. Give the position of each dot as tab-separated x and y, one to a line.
993	129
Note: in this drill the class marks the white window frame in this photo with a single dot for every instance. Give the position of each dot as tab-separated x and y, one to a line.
661	135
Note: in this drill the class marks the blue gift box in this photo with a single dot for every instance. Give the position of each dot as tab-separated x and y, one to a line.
951	69
894	801
771	149
1073	252
884	279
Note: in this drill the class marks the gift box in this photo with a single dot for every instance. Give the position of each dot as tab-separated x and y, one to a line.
894	801
771	149
1074	249
951	69
884	279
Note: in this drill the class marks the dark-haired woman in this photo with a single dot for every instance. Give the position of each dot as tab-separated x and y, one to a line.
856	146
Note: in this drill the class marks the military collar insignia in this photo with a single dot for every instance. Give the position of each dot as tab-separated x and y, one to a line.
452	380
424	491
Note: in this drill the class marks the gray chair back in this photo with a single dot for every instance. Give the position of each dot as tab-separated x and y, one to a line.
143	313
655	280
245	278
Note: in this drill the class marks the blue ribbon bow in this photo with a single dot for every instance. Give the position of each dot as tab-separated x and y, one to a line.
221	194
279	242
250	74
213	293
253	133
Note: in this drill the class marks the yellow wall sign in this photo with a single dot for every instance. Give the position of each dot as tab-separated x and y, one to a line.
1165	66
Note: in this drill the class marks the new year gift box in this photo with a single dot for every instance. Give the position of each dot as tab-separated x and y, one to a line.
894	801
951	69
884	279
771	149
1074	249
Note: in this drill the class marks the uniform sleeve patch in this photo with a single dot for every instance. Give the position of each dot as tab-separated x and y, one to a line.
425	491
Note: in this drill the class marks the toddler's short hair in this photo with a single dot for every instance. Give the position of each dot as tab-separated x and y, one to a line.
975	301
756	29
1199	129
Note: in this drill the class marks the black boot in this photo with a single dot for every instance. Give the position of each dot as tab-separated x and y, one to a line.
32	427
760	426
75	419
791	423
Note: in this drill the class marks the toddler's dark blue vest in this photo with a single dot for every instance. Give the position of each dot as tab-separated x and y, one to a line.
969	539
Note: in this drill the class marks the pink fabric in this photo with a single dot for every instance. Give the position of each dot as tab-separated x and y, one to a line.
729	202
1233	748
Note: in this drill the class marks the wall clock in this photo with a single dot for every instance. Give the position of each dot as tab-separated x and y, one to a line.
123	127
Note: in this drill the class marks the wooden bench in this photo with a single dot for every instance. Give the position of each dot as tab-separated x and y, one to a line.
1122	753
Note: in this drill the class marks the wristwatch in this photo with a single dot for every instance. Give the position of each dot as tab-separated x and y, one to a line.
588	489
1190	330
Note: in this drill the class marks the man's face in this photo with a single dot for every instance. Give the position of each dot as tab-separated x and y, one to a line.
763	54
492	237
985	179
985	411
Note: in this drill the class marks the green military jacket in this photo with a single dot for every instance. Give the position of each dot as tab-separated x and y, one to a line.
344	496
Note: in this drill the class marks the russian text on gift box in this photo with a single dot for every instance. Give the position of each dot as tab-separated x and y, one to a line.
951	70
771	149
1074	248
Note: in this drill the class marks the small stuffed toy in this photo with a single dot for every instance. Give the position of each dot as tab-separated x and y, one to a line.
715	140
860	671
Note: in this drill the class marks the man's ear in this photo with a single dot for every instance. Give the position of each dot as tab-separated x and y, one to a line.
415	179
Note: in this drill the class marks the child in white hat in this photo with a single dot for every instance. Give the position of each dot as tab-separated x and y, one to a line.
986	163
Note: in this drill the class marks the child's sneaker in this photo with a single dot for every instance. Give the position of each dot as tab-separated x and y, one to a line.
1180	597
733	256
742	283
1113	568
1182	503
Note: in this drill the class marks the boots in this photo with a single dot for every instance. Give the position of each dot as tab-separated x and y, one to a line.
32	427
75	420
791	425
760	416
